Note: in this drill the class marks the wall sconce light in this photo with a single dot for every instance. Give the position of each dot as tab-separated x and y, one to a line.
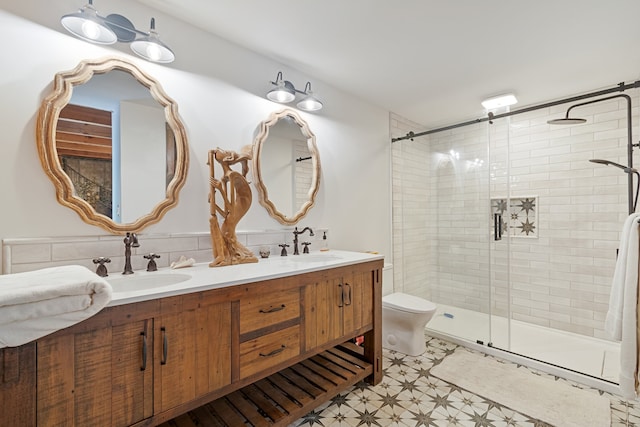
285	92
88	25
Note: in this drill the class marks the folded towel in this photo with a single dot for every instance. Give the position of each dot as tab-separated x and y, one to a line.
621	322
36	303
183	262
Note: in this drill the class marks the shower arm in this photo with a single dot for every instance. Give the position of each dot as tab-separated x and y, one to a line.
630	145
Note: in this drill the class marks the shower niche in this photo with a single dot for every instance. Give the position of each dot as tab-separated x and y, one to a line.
517	216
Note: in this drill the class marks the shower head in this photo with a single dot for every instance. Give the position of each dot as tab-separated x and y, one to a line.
617	165
626	169
567	121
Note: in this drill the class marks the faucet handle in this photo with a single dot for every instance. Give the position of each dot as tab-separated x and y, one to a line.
284	247
102	269
306	247
151	266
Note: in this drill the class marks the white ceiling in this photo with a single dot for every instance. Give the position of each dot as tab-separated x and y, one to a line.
433	61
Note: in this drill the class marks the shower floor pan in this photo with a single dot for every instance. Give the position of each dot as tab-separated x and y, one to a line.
587	355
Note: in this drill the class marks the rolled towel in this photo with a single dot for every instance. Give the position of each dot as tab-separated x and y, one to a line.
36	303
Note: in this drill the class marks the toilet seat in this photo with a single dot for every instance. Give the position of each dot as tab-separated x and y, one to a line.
407	303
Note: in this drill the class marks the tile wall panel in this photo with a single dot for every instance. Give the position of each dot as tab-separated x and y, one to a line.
443	250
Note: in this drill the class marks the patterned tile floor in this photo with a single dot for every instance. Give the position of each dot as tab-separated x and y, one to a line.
409	396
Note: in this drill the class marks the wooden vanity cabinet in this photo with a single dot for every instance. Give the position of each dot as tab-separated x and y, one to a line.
340	305
18	385
192	352
144	363
269	325
98	372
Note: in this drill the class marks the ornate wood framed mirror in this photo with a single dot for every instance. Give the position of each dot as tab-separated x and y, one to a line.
112	142
286	166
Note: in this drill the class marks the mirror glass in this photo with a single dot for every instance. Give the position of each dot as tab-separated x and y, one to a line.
287	166
113	144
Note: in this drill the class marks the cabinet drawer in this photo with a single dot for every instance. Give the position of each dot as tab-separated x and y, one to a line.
266	309
269	350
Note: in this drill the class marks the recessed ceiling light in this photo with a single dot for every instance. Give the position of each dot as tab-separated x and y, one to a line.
499	101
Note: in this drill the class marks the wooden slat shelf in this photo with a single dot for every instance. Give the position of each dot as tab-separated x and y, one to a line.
285	396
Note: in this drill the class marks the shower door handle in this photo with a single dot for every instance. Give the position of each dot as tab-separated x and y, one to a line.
497	226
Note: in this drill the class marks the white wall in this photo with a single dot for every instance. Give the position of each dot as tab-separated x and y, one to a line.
220	89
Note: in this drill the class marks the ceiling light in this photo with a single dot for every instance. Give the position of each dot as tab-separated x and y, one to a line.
88	25
309	102
285	92
499	101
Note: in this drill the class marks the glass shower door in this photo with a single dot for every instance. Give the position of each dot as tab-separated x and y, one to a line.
442	237
563	219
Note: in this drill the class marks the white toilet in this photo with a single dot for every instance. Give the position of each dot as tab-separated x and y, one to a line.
404	318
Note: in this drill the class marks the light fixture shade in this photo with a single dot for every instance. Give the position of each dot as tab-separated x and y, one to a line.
310	103
283	93
87	25
500	101
152	49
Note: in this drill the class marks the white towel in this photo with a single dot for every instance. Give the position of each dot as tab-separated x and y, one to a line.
36	303
621	322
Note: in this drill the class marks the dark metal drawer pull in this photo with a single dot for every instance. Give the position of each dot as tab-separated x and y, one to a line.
272	309
144	351
165	344
274	352
348	298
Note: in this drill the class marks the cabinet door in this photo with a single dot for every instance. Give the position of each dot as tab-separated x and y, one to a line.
192	353
325	323
96	377
357	308
18	385
338	305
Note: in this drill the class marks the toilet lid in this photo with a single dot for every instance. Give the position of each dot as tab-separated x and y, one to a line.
409	303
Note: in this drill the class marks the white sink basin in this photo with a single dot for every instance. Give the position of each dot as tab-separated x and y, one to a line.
314	258
148	281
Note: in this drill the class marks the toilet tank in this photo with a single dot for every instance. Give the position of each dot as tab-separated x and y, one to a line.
387	279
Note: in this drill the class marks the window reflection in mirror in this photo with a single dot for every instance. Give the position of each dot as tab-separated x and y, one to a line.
116	147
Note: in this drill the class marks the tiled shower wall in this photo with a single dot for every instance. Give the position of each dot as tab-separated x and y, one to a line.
35	253
443	242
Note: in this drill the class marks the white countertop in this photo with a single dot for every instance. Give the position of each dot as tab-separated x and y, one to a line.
166	282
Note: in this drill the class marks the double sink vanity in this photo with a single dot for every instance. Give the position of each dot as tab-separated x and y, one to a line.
260	344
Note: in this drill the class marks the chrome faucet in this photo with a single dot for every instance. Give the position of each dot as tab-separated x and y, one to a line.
130	240
295	238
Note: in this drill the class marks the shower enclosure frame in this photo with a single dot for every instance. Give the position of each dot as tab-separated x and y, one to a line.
490	117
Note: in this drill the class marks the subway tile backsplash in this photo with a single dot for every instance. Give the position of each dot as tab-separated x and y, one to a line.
27	254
